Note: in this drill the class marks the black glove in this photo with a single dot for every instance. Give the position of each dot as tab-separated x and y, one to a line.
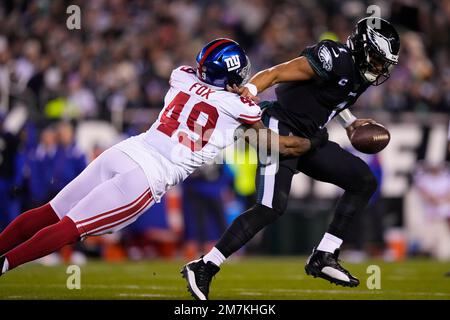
319	139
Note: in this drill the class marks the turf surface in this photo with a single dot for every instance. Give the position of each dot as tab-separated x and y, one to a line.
250	278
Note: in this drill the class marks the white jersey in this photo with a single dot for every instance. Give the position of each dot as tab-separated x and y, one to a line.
197	122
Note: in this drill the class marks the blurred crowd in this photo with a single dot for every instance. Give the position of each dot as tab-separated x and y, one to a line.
428	211
120	60
125	50
30	177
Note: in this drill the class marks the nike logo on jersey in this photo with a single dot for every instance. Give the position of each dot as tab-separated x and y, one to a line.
202	91
339	50
334	53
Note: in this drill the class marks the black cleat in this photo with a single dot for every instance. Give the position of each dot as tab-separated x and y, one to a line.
326	265
198	275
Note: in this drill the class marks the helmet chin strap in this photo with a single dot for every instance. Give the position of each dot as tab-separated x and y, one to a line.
371	77
375	79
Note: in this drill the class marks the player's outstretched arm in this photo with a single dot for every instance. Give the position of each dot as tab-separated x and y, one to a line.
297	69
288	146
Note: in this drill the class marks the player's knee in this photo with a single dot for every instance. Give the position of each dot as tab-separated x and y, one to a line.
257	217
269	214
280	204
362	180
369	183
70	229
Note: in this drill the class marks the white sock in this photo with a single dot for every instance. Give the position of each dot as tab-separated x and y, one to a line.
5	266
215	256
329	243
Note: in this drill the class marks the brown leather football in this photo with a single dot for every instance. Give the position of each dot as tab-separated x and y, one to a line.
370	138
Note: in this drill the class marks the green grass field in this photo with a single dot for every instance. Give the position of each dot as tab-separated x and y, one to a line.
250	278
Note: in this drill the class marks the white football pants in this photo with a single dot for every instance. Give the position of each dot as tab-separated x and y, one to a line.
108	195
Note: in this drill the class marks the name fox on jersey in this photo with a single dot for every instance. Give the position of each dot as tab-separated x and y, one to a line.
202	90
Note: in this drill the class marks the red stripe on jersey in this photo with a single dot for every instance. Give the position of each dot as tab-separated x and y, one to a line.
248	121
113	210
119	216
122	221
248	116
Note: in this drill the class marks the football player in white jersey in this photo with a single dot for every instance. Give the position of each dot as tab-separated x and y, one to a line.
199	119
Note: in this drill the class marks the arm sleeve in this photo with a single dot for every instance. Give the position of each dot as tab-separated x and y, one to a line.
246	111
346	118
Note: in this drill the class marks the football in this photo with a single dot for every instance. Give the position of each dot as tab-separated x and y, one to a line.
370	138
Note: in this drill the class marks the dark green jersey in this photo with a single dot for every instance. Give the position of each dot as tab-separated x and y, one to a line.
307	106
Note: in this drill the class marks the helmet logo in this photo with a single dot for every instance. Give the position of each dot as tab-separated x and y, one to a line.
325	58
233	62
383	44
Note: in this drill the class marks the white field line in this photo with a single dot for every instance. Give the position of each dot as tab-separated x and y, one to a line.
240	291
97	286
243	291
146	295
249	293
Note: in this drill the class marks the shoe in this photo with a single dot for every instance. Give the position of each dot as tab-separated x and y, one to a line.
326	265
198	275
2	262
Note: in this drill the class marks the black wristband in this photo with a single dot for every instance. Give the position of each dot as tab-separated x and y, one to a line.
319	139
315	143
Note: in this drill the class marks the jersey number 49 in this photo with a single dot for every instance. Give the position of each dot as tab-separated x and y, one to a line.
169	122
